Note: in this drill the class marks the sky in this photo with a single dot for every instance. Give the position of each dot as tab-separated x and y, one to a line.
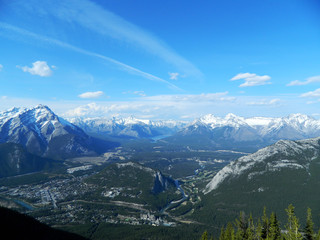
161	59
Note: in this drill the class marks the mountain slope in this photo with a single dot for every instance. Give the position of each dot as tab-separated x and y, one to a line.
43	133
18	226
14	160
287	172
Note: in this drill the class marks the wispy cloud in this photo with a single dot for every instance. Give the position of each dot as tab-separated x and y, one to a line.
91	94
251	79
265	102
204	97
309	80
139	93
123	66
311	94
1	67
104	22
174	76
39	68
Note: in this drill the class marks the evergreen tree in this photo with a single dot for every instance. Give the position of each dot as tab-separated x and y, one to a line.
265	225
318	235
308	230
274	228
222	234
242	226
229	232
250	229
258	232
204	236
293	225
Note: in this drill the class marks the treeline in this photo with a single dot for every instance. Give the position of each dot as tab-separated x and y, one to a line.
268	228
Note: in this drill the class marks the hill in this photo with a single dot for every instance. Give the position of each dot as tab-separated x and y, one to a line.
17	226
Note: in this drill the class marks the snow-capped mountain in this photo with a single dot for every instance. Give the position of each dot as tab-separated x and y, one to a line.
294	126
256	132
128	127
43	133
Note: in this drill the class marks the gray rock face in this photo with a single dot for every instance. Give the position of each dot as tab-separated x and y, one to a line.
43	133
284	154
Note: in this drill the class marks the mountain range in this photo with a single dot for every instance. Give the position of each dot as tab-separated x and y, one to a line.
129	127
45	134
250	134
231	127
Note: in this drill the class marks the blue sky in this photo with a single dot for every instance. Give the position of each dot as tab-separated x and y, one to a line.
161	59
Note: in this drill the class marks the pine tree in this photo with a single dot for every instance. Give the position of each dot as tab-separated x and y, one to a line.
204	236
318	235
265	224
222	234
293	225
274	228
250	229
242	226
229	232
258	233
308	230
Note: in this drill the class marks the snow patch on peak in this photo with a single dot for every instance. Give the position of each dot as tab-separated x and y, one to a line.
282	154
209	119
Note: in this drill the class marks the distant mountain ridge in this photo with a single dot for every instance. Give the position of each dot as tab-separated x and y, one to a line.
238	133
238	129
45	134
130	127
294	126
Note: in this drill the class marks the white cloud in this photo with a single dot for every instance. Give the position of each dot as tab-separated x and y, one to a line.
39	68
204	97
312	94
309	80
252	79
265	102
91	94
242	76
174	76
161	107
139	93
1	67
